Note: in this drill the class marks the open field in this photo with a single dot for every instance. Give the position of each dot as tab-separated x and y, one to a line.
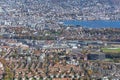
111	50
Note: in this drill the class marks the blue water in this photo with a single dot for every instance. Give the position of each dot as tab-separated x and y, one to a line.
93	24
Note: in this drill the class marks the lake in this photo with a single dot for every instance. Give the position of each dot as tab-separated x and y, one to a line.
93	24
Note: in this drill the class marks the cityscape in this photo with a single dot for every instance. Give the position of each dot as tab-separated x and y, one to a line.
59	40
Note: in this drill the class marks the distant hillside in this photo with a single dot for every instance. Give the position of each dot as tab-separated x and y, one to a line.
56	1
59	9
115	1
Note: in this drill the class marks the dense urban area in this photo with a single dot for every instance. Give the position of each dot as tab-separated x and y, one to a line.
36	45
33	12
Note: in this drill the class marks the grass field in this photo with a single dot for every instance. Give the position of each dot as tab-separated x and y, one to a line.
111	50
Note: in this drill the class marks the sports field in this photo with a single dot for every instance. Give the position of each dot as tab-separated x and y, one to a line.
111	50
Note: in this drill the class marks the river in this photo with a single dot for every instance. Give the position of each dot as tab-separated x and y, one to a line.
92	24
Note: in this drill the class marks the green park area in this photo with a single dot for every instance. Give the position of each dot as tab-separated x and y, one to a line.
111	50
